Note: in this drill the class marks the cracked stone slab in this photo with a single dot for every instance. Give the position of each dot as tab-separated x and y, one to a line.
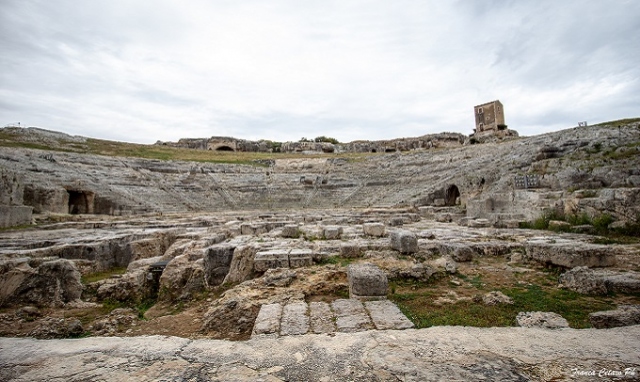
295	319
386	315
433	354
268	320
321	318
351	316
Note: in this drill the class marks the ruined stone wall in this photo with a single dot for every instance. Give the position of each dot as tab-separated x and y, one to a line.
401	144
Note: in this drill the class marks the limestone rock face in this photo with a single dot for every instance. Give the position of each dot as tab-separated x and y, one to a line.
58	328
625	315
546	320
600	282
52	282
130	286
183	276
12	210
571	254
217	260
404	241
241	267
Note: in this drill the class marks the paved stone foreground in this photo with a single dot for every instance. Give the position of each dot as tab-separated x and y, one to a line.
445	353
343	315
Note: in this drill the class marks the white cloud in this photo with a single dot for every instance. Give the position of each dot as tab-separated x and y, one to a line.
143	71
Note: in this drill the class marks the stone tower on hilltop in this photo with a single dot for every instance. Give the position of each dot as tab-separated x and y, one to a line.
490	121
489	116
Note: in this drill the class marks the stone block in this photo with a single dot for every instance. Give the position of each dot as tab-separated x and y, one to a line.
299	258
321	318
268	320
247	229
396	222
625	315
351	316
367	281
291	231
478	223
600	281
295	320
404	241
332	232
217	260
458	252
558	225
545	320
571	254
373	229
426	212
270	260
349	250
386	315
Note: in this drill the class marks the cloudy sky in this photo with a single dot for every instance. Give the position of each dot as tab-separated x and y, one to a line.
142	71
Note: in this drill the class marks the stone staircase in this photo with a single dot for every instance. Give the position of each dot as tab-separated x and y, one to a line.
343	315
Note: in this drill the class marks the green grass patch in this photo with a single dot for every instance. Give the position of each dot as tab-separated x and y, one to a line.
17	227
143	306
338	260
575	308
97	276
600	225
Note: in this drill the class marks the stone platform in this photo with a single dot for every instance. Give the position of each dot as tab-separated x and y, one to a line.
343	315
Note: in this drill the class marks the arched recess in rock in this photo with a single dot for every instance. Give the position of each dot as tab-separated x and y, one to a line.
81	202
451	195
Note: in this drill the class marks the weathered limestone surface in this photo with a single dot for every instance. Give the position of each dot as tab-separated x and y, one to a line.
404	241
496	354
570	254
282	258
217	261
351	315
546	320
321	318
295	319
12	211
11	216
624	315
241	266
268	320
367	281
343	315
386	315
271	259
49	282
600	281
373	229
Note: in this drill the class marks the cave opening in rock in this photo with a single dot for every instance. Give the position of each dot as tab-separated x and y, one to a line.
224	148
451	195
80	202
